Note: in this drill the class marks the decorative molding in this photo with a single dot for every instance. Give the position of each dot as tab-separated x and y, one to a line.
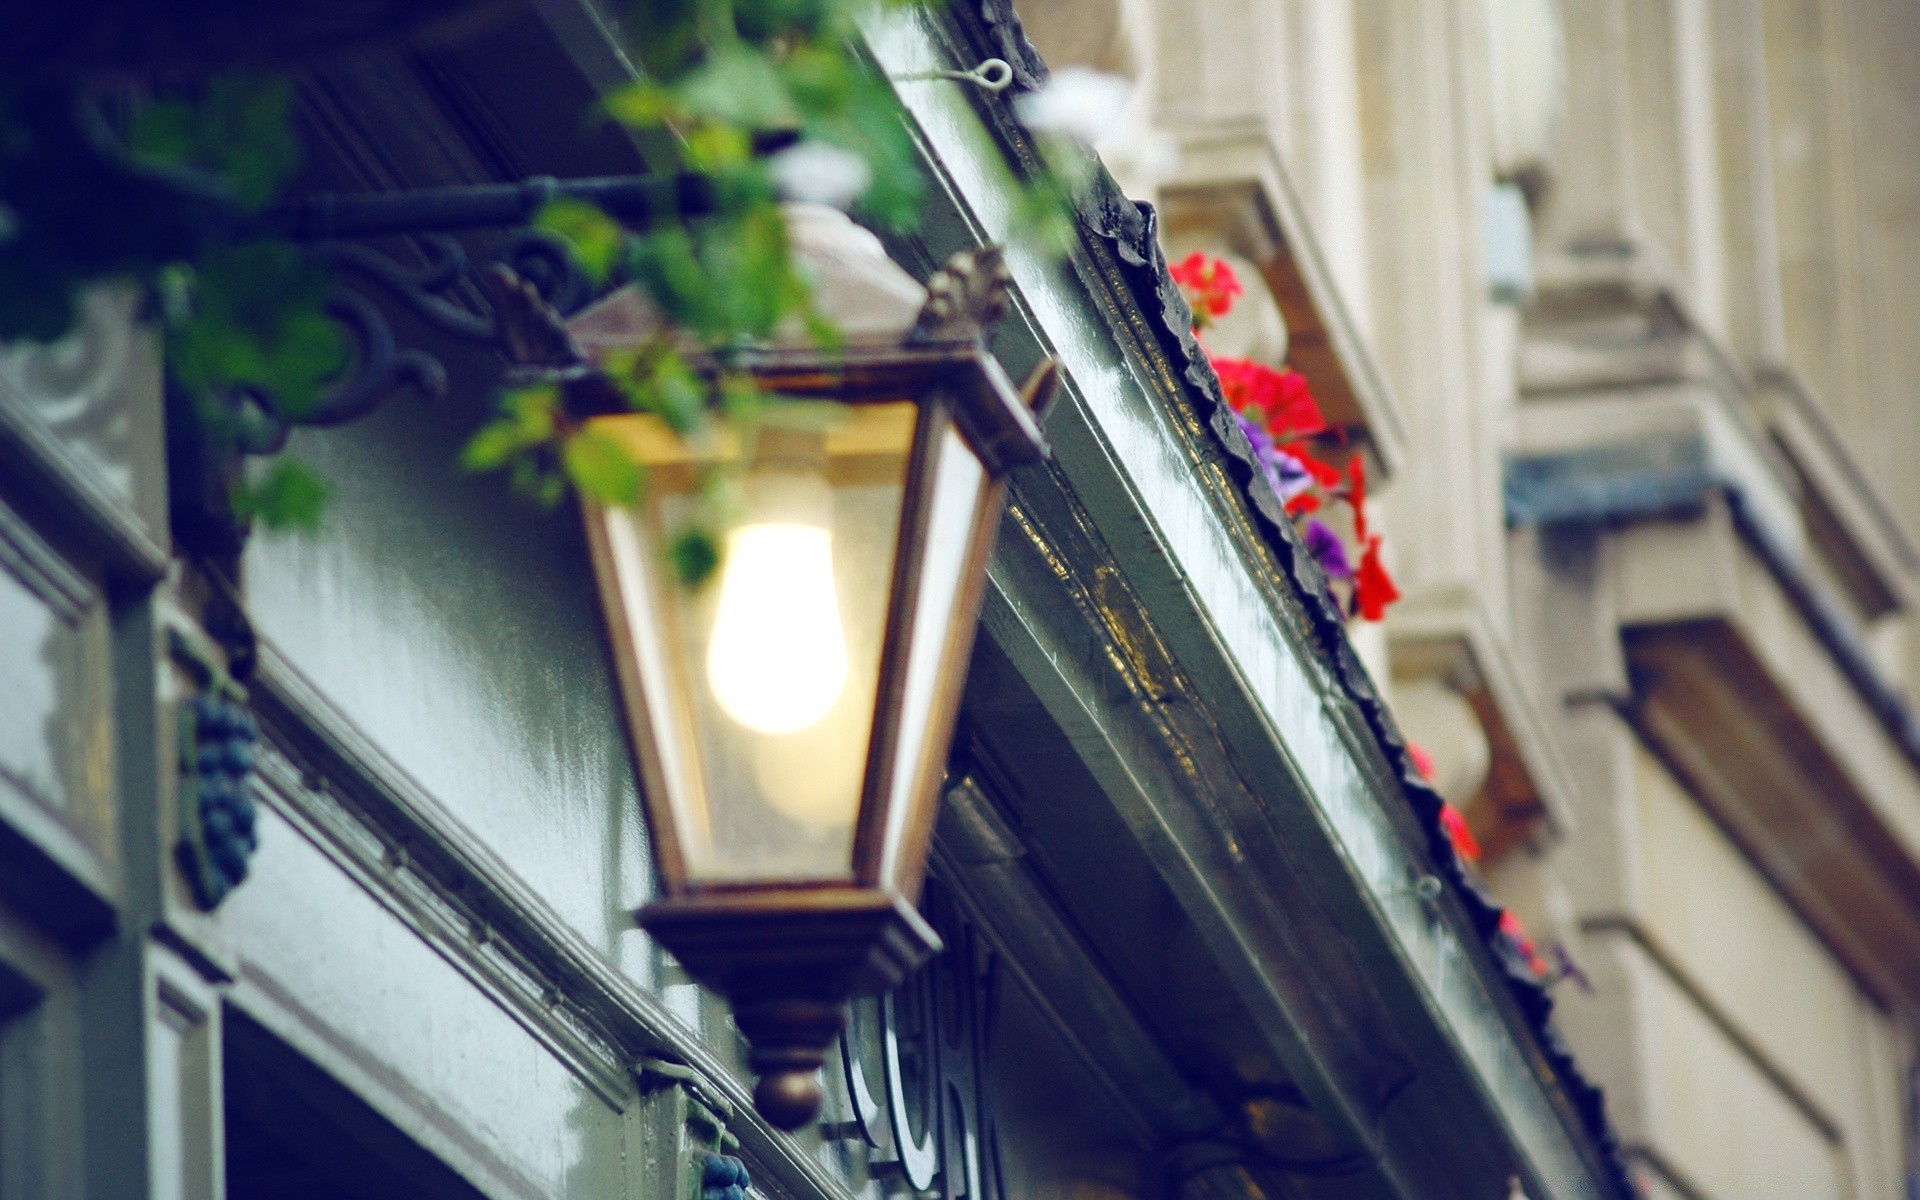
979	859
86	508
446	920
1451	634
1707	700
1673	967
406	850
933	1127
966	298
1870	547
51	865
1495	1013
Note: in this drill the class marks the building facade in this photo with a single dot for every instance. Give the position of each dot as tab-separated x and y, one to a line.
1607	294
1618	287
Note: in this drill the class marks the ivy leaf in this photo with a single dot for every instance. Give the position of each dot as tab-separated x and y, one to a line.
164	133
742	400
740	86
246	135
715	146
236	130
526	422
532	409
642	104
595	237
678	395
289	496
672	35
258	323
694	555
771	20
490	448
602	469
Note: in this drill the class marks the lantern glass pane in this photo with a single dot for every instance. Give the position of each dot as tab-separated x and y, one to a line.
761	704
957	499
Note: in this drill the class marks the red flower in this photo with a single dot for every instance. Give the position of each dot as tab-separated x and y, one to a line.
1278	400
1324	473
1303	504
1373	588
1517	934
1210	286
1464	843
1252	389
1294	412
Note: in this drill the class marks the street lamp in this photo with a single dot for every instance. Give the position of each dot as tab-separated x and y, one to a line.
791	716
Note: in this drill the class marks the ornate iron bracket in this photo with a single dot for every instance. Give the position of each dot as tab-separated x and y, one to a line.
443	290
631	199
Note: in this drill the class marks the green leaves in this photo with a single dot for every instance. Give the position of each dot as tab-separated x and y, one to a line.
595	238
670	390
694	555
601	468
728	277
258	322
526	423
642	104
288	496
741	86
236	130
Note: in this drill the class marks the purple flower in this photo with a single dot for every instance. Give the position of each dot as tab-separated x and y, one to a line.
1294	476
1271	462
1327	549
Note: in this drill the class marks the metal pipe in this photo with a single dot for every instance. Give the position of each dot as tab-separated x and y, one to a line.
634	200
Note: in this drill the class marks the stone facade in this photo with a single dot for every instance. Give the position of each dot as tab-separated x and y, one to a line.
1625	285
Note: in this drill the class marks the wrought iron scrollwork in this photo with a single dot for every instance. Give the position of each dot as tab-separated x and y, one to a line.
379	368
428	291
333	227
443	291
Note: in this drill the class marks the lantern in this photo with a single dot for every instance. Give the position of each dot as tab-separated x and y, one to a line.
791	715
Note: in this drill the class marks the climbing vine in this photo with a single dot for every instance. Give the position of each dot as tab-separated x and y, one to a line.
762	101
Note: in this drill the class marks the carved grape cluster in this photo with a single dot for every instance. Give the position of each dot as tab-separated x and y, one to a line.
219	815
725	1179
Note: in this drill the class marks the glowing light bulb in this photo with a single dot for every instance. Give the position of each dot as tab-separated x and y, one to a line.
777	661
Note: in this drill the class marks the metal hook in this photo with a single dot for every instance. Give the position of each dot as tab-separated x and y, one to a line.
1424	888
992	75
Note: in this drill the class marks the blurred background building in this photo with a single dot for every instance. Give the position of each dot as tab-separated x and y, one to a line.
1617	301
1621	292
